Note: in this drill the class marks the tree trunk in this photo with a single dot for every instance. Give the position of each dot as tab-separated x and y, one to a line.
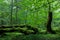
11	12
49	29
16	1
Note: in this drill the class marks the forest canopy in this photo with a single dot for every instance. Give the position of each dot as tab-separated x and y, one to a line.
32	12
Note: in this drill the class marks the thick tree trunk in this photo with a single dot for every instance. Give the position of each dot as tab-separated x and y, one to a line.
49	29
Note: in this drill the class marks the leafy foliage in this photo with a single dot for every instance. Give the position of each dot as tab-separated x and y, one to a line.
30	12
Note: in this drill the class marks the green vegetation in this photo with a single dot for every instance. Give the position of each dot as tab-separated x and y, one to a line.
29	19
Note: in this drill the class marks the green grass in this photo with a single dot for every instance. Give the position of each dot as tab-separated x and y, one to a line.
39	36
20	36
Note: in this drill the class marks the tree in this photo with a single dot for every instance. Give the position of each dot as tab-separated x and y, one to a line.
49	28
11	11
16	1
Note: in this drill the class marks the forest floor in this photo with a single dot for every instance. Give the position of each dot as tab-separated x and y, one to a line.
20	36
39	36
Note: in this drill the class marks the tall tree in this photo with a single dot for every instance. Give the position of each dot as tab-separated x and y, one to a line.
11	11
16	1
49	28
2	15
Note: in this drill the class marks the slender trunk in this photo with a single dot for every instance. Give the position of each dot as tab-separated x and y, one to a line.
2	19
11	11
16	10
